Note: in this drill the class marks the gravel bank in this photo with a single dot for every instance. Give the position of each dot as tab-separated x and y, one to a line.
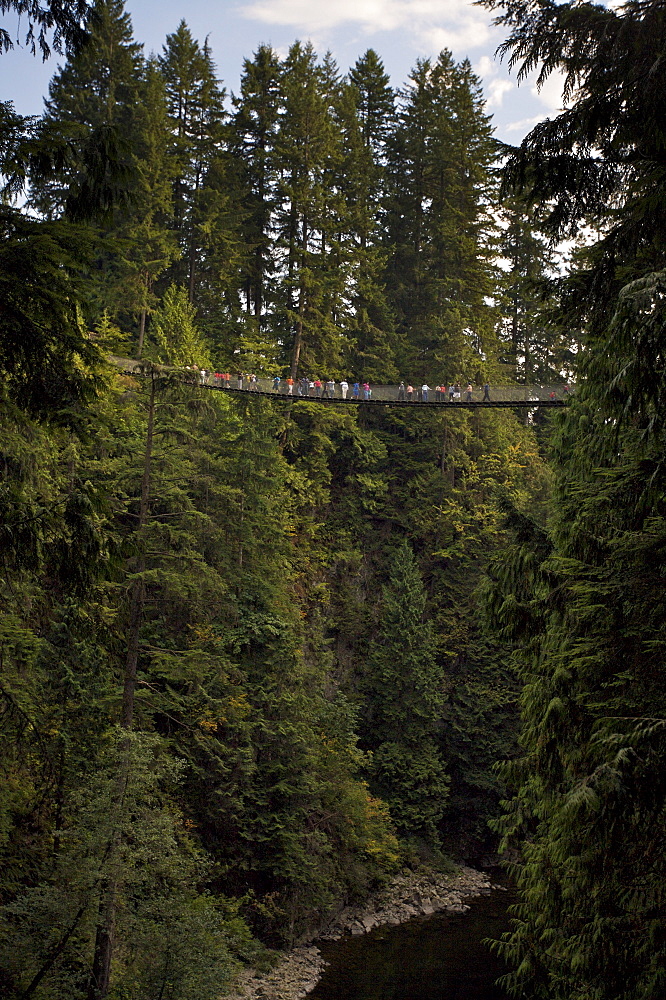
410	894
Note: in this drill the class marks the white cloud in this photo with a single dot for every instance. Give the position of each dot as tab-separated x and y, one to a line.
524	125
485	67
433	24
466	30
495	79
550	94
496	90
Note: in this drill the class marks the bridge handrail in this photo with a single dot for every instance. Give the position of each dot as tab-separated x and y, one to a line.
523	395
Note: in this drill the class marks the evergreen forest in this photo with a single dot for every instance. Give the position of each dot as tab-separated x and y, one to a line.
258	655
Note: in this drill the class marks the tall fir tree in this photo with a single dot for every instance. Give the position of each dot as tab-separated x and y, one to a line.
253	133
91	110
534	345
439	223
195	108
309	221
404	684
367	117
146	242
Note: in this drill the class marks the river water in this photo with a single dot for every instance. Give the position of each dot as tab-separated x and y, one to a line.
428	958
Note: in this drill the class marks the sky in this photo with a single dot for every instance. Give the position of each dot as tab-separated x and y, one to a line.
401	31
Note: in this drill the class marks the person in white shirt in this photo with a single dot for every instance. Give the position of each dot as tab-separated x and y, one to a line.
425	389
344	386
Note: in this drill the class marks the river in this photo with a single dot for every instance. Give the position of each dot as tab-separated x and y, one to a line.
428	958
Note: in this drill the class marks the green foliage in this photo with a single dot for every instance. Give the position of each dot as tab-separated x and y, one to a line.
46	360
240	642
134	840
175	333
65	20
91	115
438	232
584	601
404	690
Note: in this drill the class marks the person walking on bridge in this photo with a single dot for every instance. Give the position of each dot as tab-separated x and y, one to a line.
344	386
469	391
401	392
486	393
425	389
290	386
366	390
356	390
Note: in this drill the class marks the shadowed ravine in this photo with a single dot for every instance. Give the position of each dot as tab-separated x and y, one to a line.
430	958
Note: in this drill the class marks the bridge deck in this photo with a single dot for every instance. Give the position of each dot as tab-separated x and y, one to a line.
531	402
503	396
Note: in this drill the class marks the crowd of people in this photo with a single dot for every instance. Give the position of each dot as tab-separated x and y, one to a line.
441	393
321	389
317	388
328	389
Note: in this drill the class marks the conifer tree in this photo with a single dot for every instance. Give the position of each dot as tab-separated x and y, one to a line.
195	107
174	331
367	116
587	796
532	343
253	134
404	685
146	243
440	269
91	110
375	104
310	230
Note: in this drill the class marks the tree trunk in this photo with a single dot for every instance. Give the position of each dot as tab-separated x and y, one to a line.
100	977
528	375
138	589
298	335
192	271
142	333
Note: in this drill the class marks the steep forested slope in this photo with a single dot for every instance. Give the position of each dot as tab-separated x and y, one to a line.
243	676
247	550
584	601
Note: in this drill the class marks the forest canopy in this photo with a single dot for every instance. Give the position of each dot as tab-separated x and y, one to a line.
256	656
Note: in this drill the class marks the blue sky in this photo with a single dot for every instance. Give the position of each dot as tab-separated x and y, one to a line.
401	31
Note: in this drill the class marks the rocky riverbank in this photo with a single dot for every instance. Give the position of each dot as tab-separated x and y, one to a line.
410	894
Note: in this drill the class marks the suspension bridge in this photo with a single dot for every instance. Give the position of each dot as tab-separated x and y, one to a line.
506	396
